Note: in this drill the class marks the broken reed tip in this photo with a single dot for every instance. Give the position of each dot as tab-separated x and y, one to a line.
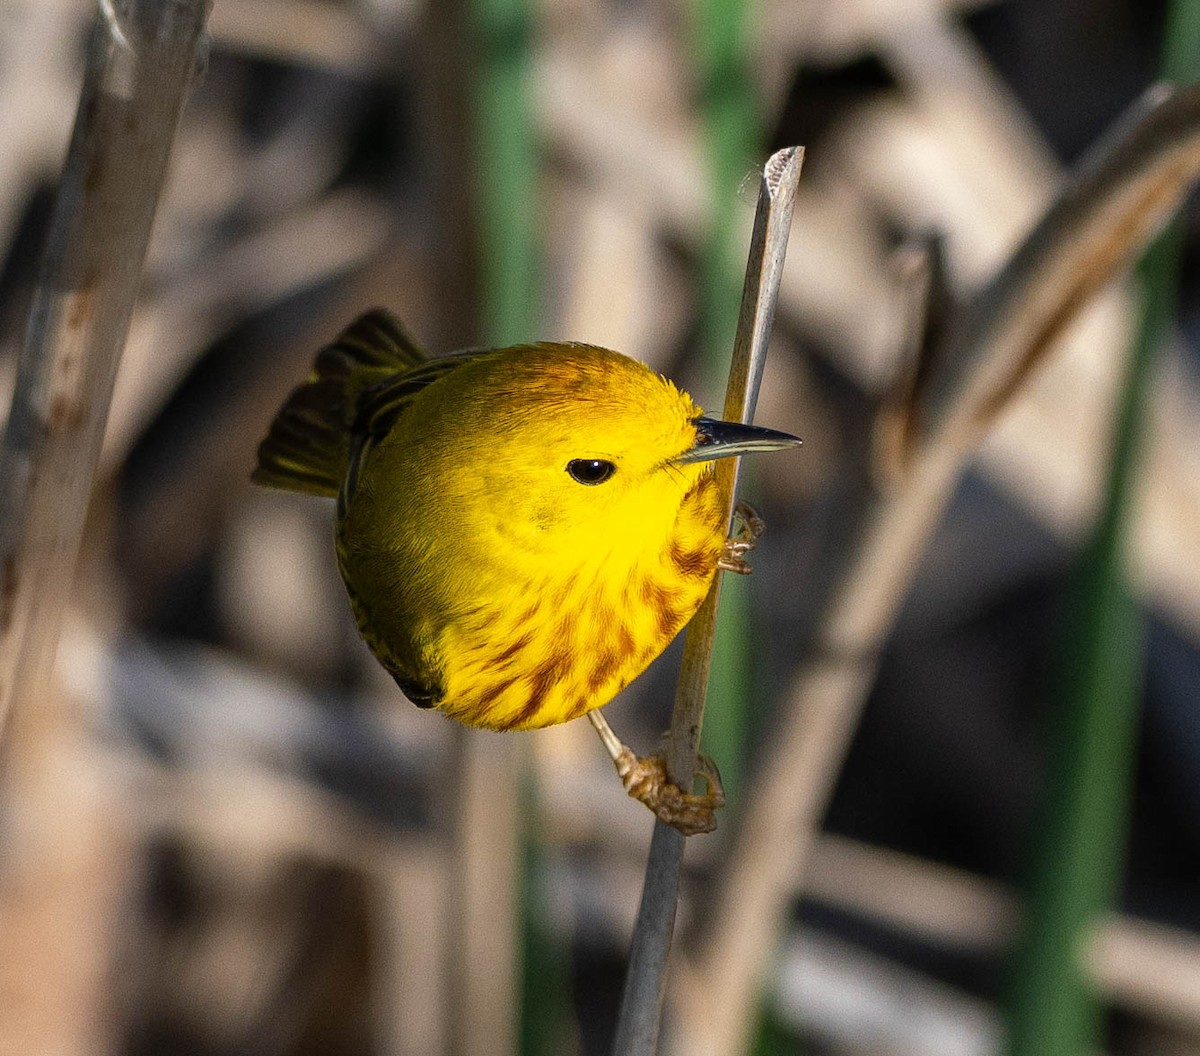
777	167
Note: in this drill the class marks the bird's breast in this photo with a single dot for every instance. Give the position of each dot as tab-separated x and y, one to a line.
569	640
520	645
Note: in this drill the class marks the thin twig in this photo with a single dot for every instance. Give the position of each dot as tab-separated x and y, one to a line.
641	1004
1122	194
140	64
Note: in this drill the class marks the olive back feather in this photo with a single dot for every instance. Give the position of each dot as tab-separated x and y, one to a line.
307	448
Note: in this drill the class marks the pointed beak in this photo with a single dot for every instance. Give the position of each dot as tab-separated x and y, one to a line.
717	439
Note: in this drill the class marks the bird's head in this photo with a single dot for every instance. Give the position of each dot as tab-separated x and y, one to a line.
583	446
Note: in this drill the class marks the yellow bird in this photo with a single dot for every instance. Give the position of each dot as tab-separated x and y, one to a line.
520	530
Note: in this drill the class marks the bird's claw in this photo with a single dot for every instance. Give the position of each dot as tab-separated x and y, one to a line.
646	781
733	553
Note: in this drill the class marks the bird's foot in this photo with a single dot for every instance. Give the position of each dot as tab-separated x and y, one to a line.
646	781
733	553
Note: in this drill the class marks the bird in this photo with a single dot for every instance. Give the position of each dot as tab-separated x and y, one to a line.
520	530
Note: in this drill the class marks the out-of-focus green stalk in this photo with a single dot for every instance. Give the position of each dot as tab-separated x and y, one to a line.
546	1012
1083	820
732	135
1080	847
506	167
773	1036
506	163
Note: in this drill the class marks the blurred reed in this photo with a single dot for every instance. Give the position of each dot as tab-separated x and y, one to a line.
1081	832
495	861
732	134
140	64
63	862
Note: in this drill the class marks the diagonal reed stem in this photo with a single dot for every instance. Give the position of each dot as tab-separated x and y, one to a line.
641	1002
141	59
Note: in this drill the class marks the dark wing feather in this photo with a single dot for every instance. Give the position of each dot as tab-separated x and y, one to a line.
309	443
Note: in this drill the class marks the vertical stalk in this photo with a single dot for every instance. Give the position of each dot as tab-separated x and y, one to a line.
642	999
491	872
546	959
1077	860
507	172
732	134
141	58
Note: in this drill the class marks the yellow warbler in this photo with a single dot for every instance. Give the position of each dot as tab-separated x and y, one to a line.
520	530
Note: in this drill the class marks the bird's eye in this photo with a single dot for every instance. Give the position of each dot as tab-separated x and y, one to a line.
590	470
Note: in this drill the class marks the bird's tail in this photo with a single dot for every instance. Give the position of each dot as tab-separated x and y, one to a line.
308	446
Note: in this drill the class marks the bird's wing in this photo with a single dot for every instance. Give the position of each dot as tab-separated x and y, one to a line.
380	406
308	446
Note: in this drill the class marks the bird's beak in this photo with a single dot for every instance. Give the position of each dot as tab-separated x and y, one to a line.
717	439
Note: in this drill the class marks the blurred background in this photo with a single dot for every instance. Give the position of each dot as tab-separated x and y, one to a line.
225	831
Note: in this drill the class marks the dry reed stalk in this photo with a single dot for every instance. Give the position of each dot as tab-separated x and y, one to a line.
302	31
244	793
642	1000
139	67
69	855
856	1002
332	236
69	849
900	156
653	160
1120	196
414	1011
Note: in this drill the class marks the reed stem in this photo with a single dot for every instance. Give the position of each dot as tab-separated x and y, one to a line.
141	58
641	1003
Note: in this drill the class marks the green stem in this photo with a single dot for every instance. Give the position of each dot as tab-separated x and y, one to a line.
1077	862
506	164
507	202
732	138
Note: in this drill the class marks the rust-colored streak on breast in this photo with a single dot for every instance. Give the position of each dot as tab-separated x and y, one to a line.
543	679
500	688
582	705
693	563
662	601
514	648
669	621
625	643
607	665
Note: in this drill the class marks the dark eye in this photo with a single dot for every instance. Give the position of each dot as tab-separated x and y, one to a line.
590	470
